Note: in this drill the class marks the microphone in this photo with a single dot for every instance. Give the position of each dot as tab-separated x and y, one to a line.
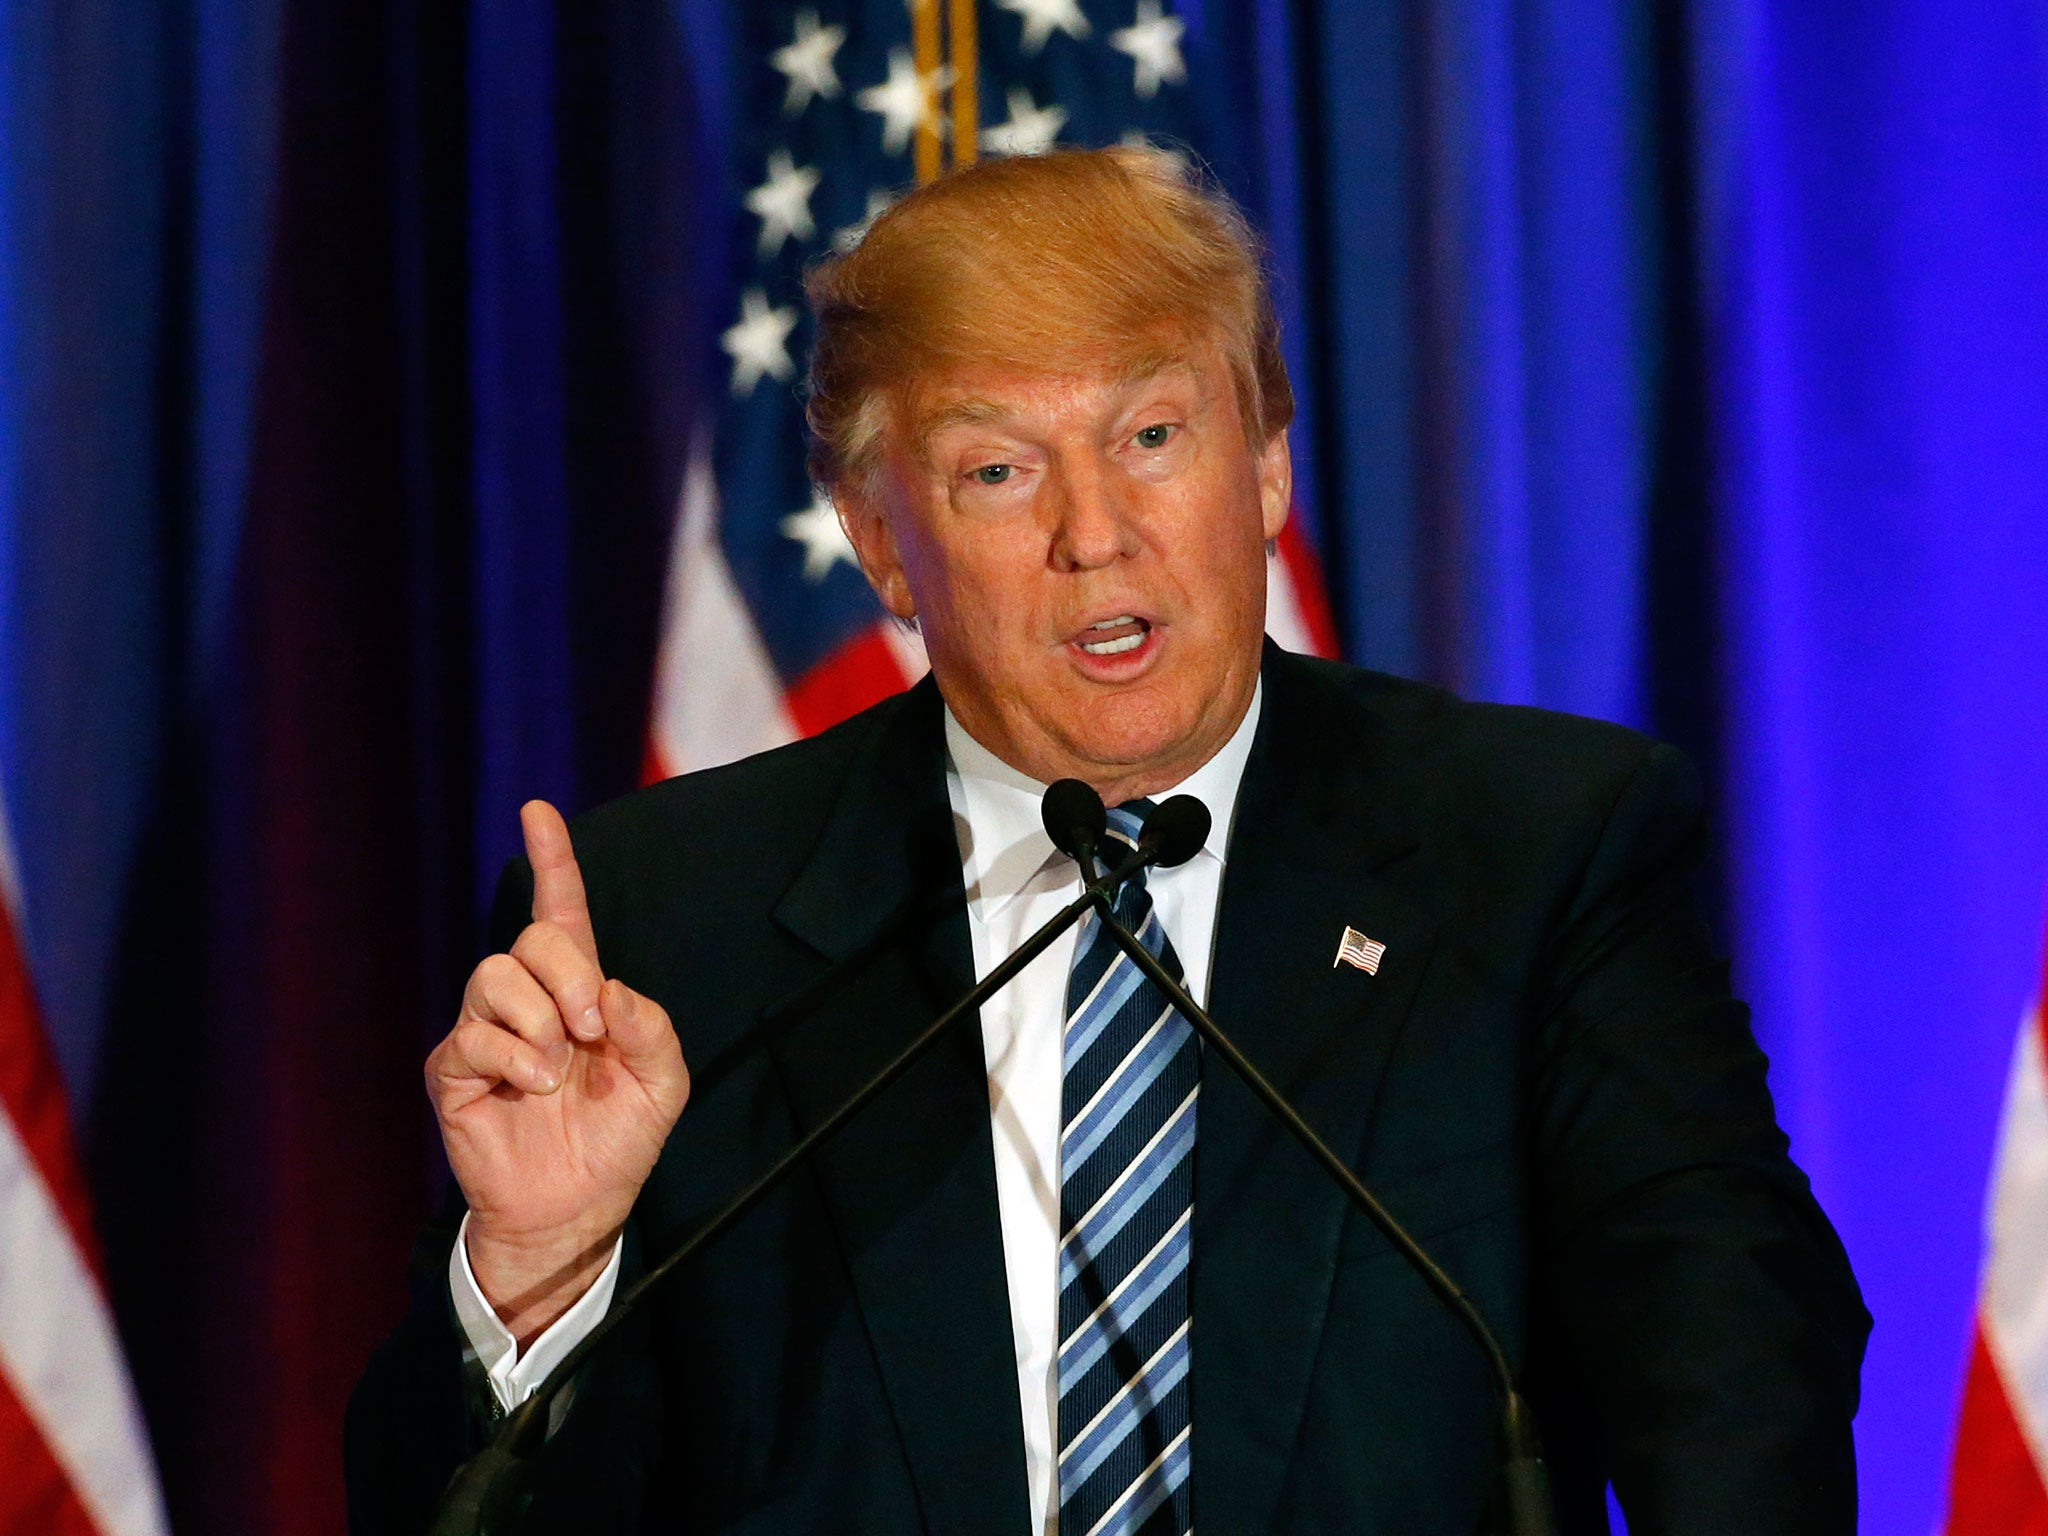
1076	822
489	1495
1175	831
1525	1483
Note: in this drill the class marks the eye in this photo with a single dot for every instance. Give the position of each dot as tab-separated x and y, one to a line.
1154	436
992	474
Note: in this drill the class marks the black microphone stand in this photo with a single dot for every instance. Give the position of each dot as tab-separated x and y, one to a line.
1525	1484
490	1493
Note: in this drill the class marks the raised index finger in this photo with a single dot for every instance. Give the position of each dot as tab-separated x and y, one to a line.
557	880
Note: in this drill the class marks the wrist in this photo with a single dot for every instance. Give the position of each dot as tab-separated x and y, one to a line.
531	1279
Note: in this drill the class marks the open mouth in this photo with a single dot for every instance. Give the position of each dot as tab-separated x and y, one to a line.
1112	637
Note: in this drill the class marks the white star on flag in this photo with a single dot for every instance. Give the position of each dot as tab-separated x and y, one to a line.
825	544
1153	42
1031	129
807	61
847	238
783	202
758	344
906	100
1041	17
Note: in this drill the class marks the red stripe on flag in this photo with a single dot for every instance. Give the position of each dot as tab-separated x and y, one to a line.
35	1494
1305	573
861	672
1994	1487
32	1095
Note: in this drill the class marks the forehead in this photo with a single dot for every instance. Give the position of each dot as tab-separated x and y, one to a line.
983	394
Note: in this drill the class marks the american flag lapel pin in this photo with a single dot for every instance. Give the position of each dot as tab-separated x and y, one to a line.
1356	949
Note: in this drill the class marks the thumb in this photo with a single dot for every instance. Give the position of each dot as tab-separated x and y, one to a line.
639	1029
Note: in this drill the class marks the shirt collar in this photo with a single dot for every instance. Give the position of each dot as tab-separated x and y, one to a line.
1004	850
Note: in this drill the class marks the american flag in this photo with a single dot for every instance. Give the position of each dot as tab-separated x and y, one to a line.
769	631
74	1458
1999	1482
1356	949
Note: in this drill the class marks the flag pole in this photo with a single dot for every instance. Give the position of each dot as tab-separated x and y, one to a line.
927	47
966	84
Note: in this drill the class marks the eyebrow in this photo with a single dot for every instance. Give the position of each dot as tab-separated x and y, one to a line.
975	411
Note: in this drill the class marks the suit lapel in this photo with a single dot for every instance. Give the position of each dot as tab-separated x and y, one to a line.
1309	835
910	1182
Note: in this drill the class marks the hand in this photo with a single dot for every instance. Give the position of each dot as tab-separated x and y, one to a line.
555	1091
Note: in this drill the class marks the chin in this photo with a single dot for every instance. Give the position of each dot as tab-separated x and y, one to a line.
1124	746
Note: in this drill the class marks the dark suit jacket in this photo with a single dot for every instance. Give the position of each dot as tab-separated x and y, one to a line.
1547	1080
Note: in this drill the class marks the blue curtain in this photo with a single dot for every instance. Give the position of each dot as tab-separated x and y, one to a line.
1877	186
1681	364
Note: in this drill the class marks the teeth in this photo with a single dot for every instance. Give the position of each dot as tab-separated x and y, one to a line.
1130	642
1112	647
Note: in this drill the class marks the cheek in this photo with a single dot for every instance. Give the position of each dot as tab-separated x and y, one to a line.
930	565
1221	560
980	585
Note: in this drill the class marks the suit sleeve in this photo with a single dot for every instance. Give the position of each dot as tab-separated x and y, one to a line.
1703	1327
424	1406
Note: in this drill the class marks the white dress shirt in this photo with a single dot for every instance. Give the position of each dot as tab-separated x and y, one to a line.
1015	881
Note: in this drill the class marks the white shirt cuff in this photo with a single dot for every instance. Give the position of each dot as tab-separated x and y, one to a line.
515	1376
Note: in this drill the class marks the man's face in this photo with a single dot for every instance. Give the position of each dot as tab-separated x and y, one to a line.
1085	556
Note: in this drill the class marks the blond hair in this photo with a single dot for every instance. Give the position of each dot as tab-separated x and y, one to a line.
1070	262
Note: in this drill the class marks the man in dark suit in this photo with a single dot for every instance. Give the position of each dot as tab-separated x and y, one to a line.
1066	1275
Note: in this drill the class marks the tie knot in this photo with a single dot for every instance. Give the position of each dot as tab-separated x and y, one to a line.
1126	821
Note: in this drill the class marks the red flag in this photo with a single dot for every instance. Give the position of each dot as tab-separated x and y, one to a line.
1999	1481
74	1459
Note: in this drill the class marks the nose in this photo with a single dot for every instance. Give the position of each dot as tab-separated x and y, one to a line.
1093	525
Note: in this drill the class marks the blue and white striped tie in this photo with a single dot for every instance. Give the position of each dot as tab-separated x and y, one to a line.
1127	1178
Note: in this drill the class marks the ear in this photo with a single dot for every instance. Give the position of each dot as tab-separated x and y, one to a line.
1276	484
865	519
